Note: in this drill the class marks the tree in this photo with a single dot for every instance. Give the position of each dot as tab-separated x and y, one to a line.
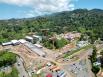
61	43
94	55
13	73
95	69
101	58
93	59
80	20
7	58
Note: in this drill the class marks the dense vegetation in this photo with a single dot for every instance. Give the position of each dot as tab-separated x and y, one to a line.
101	58
55	43
89	22
7	58
13	73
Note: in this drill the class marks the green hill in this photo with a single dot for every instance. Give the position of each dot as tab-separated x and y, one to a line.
81	20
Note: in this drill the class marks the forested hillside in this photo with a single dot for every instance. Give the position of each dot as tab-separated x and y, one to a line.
82	20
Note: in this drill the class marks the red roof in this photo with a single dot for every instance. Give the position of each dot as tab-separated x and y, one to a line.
49	75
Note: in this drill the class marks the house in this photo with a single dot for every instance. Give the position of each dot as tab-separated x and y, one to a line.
37	39
28	38
15	42
72	36
7	43
22	41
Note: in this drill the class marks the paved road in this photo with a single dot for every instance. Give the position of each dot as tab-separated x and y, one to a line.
19	65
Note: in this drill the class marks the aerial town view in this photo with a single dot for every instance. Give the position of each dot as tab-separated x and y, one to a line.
51	38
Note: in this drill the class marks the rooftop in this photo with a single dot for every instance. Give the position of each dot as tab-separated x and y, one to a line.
28	37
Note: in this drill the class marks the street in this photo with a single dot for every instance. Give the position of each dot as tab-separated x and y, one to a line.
20	67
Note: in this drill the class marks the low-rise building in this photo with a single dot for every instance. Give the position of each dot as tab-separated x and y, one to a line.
37	39
82	44
15	42
28	38
72	36
6	43
22	41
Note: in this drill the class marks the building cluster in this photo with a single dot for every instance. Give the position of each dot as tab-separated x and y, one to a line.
14	42
69	35
28	42
55	69
33	39
72	36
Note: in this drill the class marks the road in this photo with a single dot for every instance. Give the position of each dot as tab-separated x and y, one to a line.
61	65
20	67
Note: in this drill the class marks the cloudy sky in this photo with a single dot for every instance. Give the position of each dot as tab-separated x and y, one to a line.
31	8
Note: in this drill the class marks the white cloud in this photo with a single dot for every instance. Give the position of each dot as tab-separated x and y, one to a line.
17	2
43	6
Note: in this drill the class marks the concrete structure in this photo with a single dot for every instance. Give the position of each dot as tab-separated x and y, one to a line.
71	35
7	43
15	42
37	39
22	41
38	45
28	38
35	49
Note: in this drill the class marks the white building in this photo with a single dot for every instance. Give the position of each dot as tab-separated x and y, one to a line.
82	44
22	41
7	43
37	39
28	38
15	42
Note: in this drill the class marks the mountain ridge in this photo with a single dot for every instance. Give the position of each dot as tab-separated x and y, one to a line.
81	20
